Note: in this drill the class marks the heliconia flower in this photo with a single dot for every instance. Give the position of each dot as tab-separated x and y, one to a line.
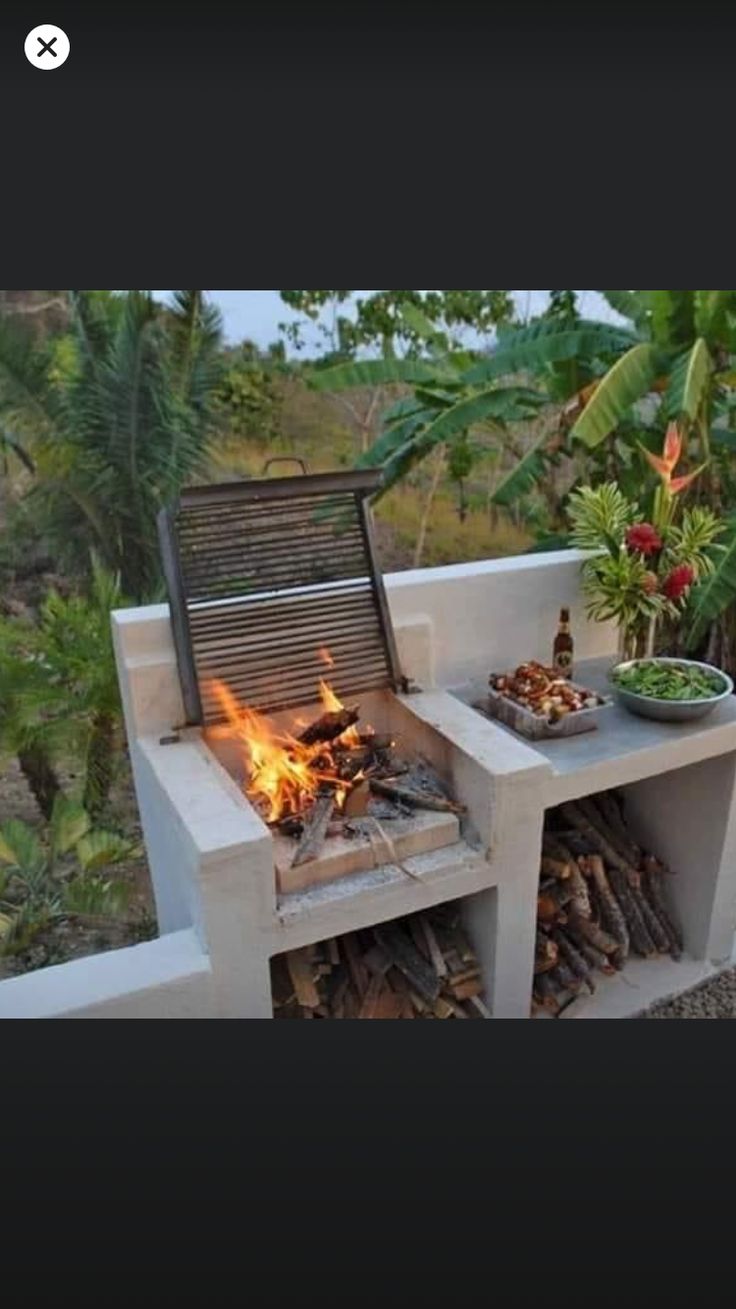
679	581
665	464
650	583
643	539
679	483
672	452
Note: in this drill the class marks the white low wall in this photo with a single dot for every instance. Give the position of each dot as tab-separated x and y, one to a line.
493	614
451	623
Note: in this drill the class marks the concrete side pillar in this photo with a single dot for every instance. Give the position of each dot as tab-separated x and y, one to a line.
222	866
501	780
502	923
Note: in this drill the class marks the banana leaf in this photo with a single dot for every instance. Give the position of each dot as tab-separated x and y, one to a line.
688	383
713	595
533	348
628	380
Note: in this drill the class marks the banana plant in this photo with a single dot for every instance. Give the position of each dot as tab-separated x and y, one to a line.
457	392
43	882
685	340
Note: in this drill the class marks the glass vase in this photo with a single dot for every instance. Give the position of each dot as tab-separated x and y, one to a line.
633	643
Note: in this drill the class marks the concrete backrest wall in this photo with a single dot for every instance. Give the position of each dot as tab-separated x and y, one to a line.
452	624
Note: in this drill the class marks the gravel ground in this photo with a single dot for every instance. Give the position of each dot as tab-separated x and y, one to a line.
713	999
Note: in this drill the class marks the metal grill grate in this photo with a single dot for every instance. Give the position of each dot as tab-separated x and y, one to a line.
261	576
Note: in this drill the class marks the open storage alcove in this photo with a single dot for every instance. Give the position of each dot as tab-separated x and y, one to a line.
677	783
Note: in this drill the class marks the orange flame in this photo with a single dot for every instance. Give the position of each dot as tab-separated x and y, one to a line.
284	774
333	706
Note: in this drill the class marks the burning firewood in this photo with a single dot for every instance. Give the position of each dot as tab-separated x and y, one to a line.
316	824
417	799
330	726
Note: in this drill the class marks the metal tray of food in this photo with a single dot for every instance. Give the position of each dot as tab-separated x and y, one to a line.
538	726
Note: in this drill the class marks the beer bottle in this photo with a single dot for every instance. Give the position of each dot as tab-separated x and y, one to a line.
563	646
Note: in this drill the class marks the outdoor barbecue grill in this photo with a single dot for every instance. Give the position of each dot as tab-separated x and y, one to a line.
260	575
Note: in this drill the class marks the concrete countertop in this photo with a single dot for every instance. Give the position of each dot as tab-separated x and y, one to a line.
623	748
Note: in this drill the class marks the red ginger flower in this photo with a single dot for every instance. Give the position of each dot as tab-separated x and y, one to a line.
650	583
679	581
644	539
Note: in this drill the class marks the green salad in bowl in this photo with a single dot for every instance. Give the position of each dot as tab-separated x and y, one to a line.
670	690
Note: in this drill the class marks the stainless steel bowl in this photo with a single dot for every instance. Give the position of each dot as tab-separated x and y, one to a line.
670	711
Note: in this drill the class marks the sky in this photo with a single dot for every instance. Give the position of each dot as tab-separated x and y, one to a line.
257	314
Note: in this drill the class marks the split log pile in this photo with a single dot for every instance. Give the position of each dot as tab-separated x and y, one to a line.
601	897
417	967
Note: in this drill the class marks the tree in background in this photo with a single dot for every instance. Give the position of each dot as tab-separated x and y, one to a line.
248	402
396	325
384	321
119	411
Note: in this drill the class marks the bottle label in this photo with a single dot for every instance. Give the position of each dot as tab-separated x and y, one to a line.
563	660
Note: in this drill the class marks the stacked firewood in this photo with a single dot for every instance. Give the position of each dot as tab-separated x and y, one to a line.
417	967
601	897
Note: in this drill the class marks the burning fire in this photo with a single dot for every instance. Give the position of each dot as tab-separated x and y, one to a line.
351	737
284	773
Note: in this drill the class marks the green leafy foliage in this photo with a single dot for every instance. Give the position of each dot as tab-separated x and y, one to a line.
613	585
628	380
375	372
688	383
529	349
716	591
118	426
714	316
69	822
672	318
43	883
99	848
630	304
638	572
95	897
20	847
599	517
395	322
59	693
691	541
524	475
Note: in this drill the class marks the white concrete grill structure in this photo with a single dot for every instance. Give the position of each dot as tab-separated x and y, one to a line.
211	855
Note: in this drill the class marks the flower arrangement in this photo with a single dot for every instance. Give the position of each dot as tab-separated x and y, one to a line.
642	571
